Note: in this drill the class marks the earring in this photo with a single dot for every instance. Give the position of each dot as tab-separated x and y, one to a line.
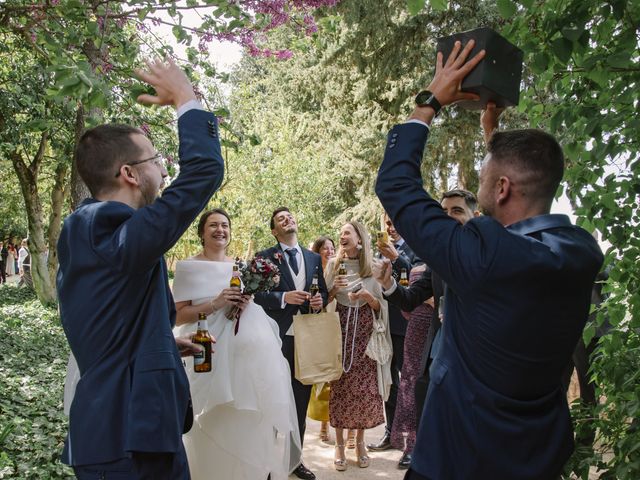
359	246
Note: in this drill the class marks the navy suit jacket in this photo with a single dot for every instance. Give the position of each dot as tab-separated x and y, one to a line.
517	301
117	310
272	301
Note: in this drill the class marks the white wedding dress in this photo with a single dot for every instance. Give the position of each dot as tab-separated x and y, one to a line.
245	425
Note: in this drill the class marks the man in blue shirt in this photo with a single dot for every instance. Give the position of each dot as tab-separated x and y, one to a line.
518	294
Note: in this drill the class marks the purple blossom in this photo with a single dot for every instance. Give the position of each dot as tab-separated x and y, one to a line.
284	54
146	129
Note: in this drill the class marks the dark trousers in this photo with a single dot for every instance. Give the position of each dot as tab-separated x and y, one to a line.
301	393
411	475
581	360
141	466
397	341
420	395
3	271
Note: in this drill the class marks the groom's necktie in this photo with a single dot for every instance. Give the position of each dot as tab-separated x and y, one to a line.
293	259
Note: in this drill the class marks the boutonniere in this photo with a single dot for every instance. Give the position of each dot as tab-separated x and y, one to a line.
278	256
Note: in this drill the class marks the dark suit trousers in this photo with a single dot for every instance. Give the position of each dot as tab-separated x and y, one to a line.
396	367
3	270
301	393
142	466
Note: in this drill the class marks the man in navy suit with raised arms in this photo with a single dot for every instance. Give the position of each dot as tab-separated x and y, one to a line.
518	294
132	403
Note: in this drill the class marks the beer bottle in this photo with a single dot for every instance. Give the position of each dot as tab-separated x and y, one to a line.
343	269
235	277
314	288
404	281
202	359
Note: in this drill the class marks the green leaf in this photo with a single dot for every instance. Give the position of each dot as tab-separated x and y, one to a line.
415	6
588	333
562	49
572	33
620	60
507	8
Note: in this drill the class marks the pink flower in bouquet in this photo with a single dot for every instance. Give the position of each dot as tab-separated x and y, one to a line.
258	275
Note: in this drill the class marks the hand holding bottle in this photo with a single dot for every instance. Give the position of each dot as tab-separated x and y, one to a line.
230	296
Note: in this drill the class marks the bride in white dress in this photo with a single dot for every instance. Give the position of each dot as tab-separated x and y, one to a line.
245	425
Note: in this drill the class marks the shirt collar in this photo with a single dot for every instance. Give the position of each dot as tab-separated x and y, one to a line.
400	242
540	222
286	247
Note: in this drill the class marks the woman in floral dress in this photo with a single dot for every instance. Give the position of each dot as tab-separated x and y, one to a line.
357	398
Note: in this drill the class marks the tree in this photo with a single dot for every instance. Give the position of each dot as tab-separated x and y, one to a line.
85	53
584	72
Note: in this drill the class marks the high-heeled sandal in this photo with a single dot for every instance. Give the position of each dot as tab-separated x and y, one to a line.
324	432
351	439
363	460
340	463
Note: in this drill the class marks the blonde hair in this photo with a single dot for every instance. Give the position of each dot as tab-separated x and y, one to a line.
365	256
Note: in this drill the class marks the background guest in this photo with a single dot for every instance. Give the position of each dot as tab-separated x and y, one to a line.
319	402
402	258
356	398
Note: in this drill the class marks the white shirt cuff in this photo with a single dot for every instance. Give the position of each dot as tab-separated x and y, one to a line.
420	122
190	105
392	288
282	302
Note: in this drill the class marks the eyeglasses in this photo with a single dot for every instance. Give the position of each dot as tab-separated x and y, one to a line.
158	159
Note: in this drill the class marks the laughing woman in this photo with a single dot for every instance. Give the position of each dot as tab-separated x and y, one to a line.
245	425
357	397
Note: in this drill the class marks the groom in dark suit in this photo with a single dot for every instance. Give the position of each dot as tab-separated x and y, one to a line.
518	292
297	266
132	403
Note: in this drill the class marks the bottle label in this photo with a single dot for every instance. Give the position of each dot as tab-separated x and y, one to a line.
198	358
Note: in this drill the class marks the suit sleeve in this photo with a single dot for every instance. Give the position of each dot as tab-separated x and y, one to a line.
408	298
401	262
152	230
460	254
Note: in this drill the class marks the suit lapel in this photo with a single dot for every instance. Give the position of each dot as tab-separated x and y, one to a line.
285	273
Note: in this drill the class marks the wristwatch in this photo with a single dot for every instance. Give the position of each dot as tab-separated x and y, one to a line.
427	99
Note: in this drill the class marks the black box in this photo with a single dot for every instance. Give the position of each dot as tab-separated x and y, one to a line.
497	77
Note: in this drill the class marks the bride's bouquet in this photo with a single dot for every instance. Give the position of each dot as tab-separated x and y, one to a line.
258	275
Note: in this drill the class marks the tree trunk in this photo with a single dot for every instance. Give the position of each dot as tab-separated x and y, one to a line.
55	219
79	190
28	178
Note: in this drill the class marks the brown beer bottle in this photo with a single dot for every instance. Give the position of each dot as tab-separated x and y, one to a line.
404	281
343	269
202	359
235	278
314	288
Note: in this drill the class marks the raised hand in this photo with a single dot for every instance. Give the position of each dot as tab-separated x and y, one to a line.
489	119
447	80
170	82
382	271
388	251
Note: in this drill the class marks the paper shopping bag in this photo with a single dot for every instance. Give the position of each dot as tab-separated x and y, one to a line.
318	347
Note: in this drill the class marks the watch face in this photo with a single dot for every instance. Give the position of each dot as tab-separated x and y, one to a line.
424	97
